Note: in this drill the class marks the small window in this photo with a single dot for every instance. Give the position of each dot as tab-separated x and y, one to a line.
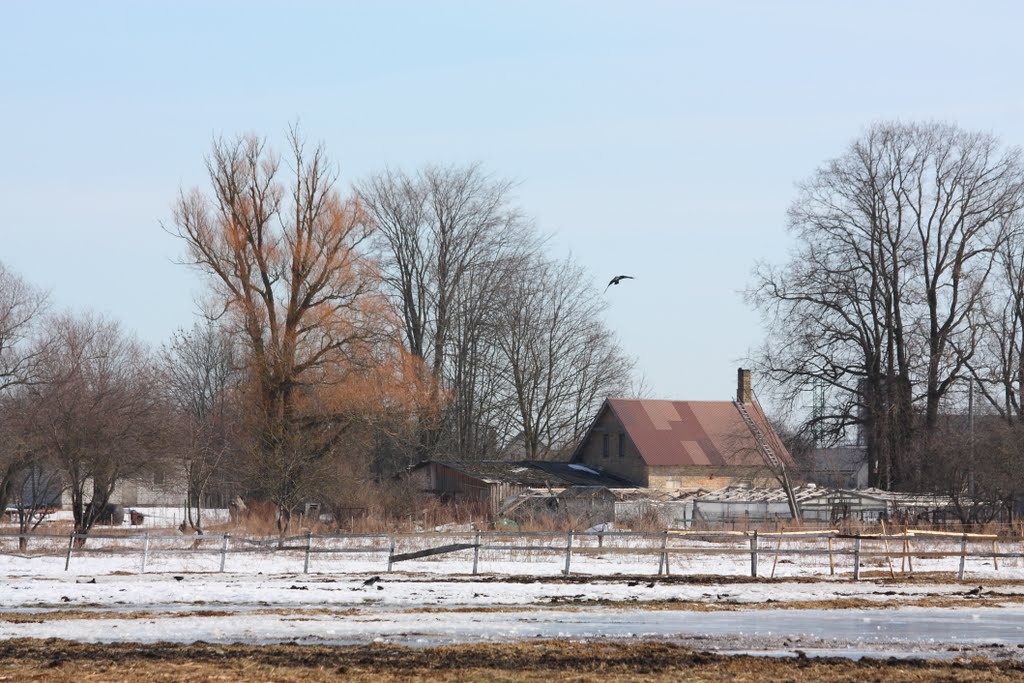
158	477
622	445
606	443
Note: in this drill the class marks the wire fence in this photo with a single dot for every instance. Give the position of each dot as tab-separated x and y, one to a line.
828	552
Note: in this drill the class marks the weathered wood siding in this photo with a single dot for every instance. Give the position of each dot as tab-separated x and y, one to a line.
461	487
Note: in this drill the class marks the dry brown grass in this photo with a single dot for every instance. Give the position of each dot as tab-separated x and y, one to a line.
55	660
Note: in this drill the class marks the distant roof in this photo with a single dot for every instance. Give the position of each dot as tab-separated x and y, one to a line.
694	432
534	473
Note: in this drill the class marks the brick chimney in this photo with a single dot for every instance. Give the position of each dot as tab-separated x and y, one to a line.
744	392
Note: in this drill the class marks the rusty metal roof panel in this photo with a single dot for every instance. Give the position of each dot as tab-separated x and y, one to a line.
694	433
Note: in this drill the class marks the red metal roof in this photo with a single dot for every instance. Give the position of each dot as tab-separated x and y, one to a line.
695	432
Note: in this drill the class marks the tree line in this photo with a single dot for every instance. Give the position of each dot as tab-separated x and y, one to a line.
901	311
345	334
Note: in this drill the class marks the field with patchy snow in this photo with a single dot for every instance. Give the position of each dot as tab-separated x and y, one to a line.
159	592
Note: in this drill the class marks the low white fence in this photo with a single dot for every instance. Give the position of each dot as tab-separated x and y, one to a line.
677	552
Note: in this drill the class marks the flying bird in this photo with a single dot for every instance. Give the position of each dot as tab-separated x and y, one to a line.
617	279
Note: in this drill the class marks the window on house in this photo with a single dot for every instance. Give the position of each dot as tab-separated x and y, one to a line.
158	478
622	445
605	445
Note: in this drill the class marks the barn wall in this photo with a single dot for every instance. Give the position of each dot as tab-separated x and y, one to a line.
459	486
142	492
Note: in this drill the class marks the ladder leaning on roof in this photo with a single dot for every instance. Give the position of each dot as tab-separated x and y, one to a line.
770	458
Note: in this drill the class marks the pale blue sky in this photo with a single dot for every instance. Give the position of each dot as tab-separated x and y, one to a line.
659	139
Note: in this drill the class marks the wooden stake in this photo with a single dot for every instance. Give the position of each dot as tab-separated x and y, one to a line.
71	542
831	559
885	540
778	547
568	553
856	558
753	555
664	554
963	558
223	551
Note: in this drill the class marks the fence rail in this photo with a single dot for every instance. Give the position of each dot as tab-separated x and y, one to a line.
848	551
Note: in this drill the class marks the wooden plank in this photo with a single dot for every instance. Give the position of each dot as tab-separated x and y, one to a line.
440	550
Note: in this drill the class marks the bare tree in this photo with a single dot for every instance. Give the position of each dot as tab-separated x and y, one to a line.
281	250
560	359
21	309
445	237
98	418
481	410
881	303
204	378
998	369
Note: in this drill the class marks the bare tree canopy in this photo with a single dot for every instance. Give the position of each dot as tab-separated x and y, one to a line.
99	417
560	361
881	304
513	342
448	240
22	307
203	376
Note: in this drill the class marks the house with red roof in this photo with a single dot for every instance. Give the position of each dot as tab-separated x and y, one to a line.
686	445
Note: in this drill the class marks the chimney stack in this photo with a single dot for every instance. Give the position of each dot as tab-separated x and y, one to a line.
744	392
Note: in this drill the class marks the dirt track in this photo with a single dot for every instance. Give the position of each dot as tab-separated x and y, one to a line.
56	660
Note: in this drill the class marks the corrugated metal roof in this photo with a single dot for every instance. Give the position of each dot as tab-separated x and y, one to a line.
742	494
695	432
535	473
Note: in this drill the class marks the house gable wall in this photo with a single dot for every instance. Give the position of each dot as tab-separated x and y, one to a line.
629	466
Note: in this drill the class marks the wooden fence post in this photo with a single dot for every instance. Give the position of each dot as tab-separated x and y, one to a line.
223	551
71	543
995	555
476	552
831	559
856	558
753	555
568	553
145	552
663	558
778	549
309	542
888	556
963	558
391	555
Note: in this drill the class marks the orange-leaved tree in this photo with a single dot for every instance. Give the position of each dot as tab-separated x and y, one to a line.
281	249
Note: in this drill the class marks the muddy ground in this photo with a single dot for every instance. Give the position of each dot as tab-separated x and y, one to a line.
57	660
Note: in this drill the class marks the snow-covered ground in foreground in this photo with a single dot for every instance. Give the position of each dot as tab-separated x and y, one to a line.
350	598
538	556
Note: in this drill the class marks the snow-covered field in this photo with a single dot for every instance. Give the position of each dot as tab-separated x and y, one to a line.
708	601
507	554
